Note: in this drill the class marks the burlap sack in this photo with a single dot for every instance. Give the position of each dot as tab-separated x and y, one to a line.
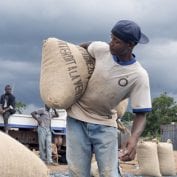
65	70
166	159
147	157
121	108
18	161
94	167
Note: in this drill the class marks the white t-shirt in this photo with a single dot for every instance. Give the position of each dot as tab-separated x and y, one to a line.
110	83
45	117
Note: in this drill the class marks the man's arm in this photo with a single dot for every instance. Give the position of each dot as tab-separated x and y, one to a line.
129	148
1	100
55	113
13	102
139	123
35	115
11	106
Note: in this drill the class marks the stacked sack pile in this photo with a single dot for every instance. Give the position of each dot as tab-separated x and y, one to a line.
156	158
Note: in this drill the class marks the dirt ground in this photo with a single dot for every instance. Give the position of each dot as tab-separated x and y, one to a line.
58	168
128	167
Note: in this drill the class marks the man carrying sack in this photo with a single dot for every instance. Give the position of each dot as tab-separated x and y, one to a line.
91	122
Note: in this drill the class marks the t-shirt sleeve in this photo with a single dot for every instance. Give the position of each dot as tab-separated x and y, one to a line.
97	47
140	96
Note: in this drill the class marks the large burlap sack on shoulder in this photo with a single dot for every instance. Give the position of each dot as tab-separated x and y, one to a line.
65	71
166	158
147	157
18	161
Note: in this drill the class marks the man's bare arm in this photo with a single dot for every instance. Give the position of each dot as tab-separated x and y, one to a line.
35	116
139	123
129	148
55	113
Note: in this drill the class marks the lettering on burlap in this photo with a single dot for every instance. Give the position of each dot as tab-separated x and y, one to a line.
72	69
90	62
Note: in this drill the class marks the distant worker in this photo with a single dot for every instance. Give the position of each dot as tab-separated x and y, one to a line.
7	106
43	117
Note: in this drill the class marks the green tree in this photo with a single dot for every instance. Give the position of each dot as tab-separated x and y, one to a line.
128	116
164	111
20	107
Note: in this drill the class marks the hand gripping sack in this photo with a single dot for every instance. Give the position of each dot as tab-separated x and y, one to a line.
18	161
65	71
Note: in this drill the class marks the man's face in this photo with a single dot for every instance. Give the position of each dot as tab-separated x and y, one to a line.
118	47
8	90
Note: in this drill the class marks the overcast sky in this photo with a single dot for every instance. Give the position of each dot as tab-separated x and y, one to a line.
24	24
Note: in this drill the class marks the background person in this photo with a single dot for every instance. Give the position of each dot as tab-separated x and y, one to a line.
7	102
43	117
91	122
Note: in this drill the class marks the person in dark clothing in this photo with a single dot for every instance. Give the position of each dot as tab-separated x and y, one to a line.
7	102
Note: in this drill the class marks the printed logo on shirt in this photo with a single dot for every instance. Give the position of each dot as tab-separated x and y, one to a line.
123	82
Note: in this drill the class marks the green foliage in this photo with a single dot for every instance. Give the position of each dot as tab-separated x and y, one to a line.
20	107
164	111
128	116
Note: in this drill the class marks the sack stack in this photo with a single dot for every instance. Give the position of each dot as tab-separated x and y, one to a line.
156	158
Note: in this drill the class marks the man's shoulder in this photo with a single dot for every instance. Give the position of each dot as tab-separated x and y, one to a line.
141	73
99	44
98	47
140	69
40	111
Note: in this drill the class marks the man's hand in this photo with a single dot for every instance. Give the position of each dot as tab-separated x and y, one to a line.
128	150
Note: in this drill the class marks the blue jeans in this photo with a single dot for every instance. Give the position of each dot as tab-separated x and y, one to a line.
82	140
45	144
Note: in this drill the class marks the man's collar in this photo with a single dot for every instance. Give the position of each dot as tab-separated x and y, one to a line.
122	62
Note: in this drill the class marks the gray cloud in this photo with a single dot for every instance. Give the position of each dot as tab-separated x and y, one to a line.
25	24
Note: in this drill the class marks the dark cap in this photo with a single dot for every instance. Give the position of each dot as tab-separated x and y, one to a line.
129	31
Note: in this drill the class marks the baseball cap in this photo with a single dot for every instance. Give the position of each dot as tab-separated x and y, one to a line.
129	31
